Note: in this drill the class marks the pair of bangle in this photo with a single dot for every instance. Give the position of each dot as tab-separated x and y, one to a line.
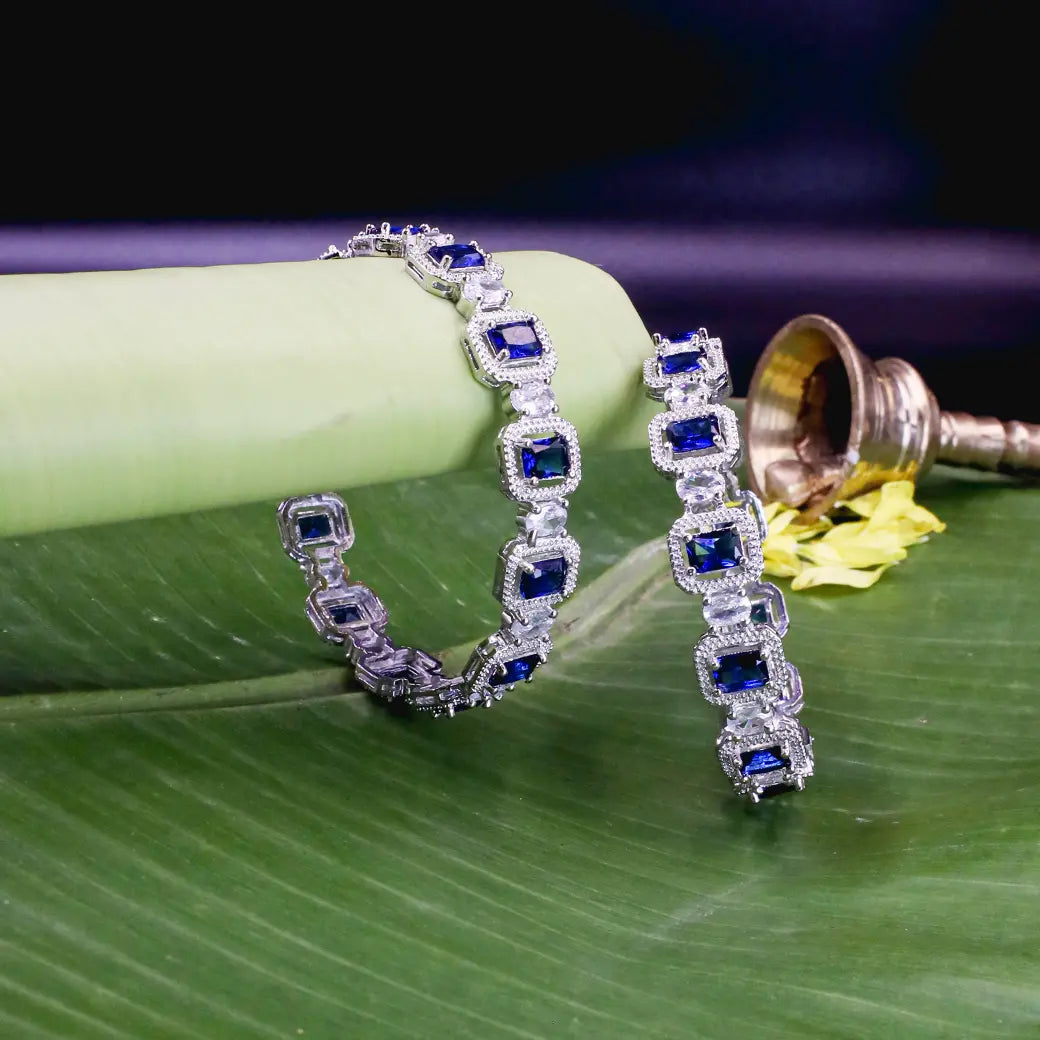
715	546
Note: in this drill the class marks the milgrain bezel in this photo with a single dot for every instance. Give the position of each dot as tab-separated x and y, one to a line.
712	378
493	371
492	654
795	743
710	520
305	552
320	601
511	439
511	560
757	638
441	281
722	457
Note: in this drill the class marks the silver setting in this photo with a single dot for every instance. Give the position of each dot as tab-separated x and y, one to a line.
520	434
725	454
691	525
407	674
749	639
489	660
519	557
711	382
795	746
493	369
438	278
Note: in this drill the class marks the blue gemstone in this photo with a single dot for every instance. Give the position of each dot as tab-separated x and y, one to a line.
762	760
547	577
516	670
317	525
683	337
745	670
546	457
460	255
399	229
517	338
688	361
774	789
715	550
760	613
696	434
344	614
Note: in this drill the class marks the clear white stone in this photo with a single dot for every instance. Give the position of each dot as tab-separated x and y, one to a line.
725	609
536	628
533	399
546	520
490	293
687	396
700	490
747	718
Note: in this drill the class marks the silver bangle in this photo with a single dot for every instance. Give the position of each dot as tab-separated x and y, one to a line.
715	549
539	464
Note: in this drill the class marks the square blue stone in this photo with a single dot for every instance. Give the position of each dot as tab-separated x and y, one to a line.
344	614
745	670
517	338
545	458
548	577
460	255
317	525
690	435
674	364
682	337
715	550
760	613
516	670
762	760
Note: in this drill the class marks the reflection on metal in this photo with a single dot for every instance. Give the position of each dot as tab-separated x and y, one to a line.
824	422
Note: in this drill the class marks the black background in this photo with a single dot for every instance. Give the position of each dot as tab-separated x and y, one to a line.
779	116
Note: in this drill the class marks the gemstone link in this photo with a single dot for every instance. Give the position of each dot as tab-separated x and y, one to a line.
533	399
696	434
318	525
458	254
547	578
715	550
763	760
517	670
517	339
545	458
744	670
725	609
699	490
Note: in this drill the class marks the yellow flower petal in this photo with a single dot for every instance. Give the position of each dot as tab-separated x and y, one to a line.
782	520
854	554
813	576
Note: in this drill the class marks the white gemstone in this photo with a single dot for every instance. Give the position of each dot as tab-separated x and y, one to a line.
546	520
533	399
725	609
535	629
688	396
747	718
700	490
490	293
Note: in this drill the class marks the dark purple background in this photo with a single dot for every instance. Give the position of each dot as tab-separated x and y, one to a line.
731	164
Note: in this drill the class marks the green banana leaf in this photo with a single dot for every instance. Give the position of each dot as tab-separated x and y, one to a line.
207	831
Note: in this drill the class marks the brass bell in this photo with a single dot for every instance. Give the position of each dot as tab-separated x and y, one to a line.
824	423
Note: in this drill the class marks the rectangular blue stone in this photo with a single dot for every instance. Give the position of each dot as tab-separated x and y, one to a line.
517	338
715	550
744	670
517	670
344	614
675	364
762	760
459	255
690	435
317	525
547	578
545	458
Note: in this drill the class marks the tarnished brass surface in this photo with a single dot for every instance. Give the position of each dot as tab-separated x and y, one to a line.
825	422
